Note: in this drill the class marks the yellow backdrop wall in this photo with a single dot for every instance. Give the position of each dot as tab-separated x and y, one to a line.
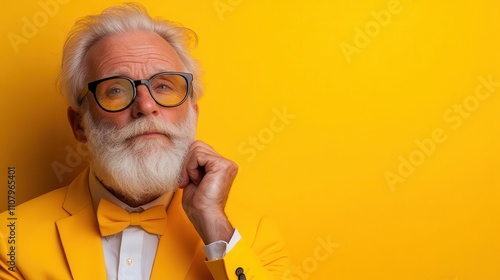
368	130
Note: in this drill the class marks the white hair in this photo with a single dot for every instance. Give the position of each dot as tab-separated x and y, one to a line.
114	20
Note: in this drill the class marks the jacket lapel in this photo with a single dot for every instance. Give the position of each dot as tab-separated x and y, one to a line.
79	233
178	245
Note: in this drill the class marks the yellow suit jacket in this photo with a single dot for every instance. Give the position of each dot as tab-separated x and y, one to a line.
57	237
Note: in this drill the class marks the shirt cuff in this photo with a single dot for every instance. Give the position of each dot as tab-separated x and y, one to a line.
218	249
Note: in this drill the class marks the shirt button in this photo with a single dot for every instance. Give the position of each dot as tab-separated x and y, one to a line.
129	261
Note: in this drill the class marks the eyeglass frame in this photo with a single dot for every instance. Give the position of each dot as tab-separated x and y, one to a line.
92	86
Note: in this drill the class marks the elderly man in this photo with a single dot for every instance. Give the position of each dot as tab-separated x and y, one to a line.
152	203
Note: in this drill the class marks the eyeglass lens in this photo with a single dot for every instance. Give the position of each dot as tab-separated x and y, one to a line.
118	93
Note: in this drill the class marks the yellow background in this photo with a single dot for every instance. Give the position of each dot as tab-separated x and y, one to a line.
388	105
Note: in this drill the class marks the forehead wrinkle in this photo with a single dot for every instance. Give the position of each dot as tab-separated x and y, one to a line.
141	59
126	66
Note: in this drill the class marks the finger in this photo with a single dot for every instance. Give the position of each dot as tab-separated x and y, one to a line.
197	165
199	154
185	179
202	146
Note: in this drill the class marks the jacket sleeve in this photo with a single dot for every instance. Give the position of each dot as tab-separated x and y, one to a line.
258	256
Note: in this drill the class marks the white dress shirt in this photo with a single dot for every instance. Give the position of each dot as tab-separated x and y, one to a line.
130	254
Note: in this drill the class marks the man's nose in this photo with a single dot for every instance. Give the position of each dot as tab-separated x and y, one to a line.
144	104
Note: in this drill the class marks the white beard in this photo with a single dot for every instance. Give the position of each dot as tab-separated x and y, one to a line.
139	168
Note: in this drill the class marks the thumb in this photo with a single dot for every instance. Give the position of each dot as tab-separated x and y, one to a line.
184	178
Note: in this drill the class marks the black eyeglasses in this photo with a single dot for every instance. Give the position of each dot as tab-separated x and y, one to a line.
114	94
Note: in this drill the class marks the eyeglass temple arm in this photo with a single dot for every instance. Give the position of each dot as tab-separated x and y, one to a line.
83	93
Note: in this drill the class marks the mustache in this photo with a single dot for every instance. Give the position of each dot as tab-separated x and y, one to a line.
117	135
146	126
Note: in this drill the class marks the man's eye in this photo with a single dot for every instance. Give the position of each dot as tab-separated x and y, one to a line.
163	87
115	91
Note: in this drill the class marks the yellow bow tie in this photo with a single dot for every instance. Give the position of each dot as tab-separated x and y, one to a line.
113	219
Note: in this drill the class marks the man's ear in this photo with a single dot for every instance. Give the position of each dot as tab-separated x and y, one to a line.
75	120
195	107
